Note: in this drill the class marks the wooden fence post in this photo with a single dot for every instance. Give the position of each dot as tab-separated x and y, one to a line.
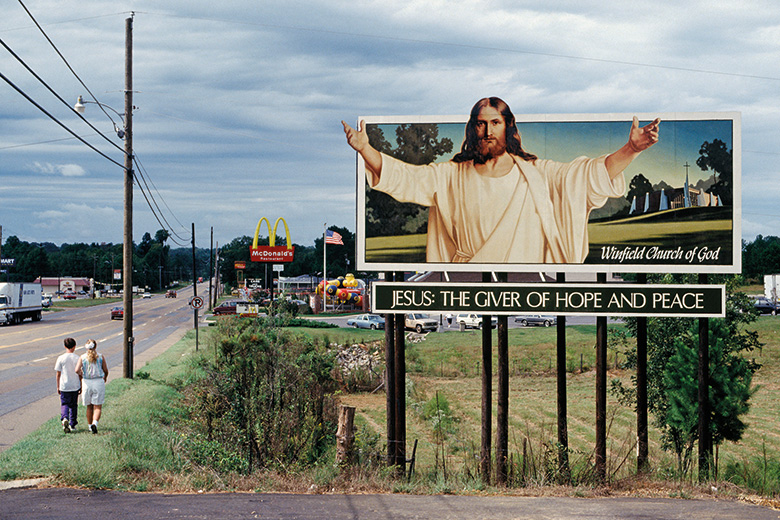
345	436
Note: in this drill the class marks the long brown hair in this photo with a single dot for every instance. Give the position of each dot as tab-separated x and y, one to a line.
469	151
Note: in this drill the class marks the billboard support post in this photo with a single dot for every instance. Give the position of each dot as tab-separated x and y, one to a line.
705	438
502	410
389	378
601	394
641	388
487	395
563	426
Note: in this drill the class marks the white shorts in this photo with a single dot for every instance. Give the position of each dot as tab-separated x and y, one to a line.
94	391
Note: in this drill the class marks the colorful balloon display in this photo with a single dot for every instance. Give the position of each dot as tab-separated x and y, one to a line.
345	289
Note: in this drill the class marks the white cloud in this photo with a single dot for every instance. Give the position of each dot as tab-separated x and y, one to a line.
65	170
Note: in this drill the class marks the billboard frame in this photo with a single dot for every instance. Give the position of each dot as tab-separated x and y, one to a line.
624	255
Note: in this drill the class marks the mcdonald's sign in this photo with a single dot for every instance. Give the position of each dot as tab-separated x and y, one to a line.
271	252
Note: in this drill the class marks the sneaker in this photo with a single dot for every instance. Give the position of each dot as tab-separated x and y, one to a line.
65	426
93	427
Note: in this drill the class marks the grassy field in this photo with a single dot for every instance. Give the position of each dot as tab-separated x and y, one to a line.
447	364
140	446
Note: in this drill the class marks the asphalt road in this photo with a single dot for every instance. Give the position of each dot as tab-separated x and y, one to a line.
46	504
28	351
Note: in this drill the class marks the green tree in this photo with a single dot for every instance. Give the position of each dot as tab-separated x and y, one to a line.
638	186
672	372
415	144
716	157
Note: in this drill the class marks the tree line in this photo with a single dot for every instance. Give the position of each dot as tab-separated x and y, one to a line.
157	266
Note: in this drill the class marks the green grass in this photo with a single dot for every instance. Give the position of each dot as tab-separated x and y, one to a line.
142	447
83	302
134	448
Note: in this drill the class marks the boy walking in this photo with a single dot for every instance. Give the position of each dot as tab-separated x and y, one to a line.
68	385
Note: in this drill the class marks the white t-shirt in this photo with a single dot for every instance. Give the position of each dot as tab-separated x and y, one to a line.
66	364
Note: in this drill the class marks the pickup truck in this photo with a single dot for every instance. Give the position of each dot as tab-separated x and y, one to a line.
420	322
473	321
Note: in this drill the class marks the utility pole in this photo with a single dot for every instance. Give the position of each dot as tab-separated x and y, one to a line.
211	266
194	287
127	264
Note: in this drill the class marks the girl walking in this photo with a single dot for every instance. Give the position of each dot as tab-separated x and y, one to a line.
94	371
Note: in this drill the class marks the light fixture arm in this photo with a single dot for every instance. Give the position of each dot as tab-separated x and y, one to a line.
81	108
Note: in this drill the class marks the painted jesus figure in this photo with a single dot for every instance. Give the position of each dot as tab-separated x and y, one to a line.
496	203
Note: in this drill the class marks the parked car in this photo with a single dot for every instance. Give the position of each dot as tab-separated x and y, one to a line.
227	307
473	321
536	319
420	322
117	313
764	306
69	296
367	321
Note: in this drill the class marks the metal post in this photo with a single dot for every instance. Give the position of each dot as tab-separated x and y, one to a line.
601	394
563	425
502	410
705	439
485	455
127	251
389	378
641	388
400	390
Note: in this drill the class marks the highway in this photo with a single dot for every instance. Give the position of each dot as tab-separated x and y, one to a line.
28	351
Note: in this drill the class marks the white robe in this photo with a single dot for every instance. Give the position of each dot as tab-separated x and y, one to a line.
537	213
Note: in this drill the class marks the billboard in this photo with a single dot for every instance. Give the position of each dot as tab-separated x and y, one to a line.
672	203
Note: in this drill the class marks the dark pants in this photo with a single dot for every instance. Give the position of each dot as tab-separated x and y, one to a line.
69	408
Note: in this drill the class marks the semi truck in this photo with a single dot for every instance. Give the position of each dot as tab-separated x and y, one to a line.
19	301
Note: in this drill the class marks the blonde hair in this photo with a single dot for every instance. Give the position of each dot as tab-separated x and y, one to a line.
92	352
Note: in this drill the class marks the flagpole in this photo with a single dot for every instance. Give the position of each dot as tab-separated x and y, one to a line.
324	267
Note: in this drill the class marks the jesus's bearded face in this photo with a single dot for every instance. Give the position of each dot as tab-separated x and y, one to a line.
491	131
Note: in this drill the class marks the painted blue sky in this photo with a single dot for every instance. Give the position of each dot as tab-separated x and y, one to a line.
239	103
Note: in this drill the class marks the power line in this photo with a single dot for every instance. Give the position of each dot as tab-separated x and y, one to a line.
468	46
71	132
63	59
36	76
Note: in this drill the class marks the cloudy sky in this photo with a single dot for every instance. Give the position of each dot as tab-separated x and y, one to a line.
239	103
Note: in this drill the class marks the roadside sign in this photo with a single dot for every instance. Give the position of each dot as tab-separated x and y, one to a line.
278	267
692	301
196	302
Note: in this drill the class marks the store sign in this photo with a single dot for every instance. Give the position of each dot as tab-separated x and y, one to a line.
239	265
272	252
692	301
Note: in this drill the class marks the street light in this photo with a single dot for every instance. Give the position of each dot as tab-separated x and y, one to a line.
125	133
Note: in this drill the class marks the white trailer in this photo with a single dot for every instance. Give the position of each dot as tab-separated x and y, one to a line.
19	301
772	287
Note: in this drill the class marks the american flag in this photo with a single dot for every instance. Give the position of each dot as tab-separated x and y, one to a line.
331	237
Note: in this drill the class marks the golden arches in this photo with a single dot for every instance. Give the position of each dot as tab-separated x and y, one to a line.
272	235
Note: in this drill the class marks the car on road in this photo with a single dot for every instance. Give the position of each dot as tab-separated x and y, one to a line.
46	301
765	306
170	294
420	322
146	295
227	307
117	313
473	321
536	319
367	321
